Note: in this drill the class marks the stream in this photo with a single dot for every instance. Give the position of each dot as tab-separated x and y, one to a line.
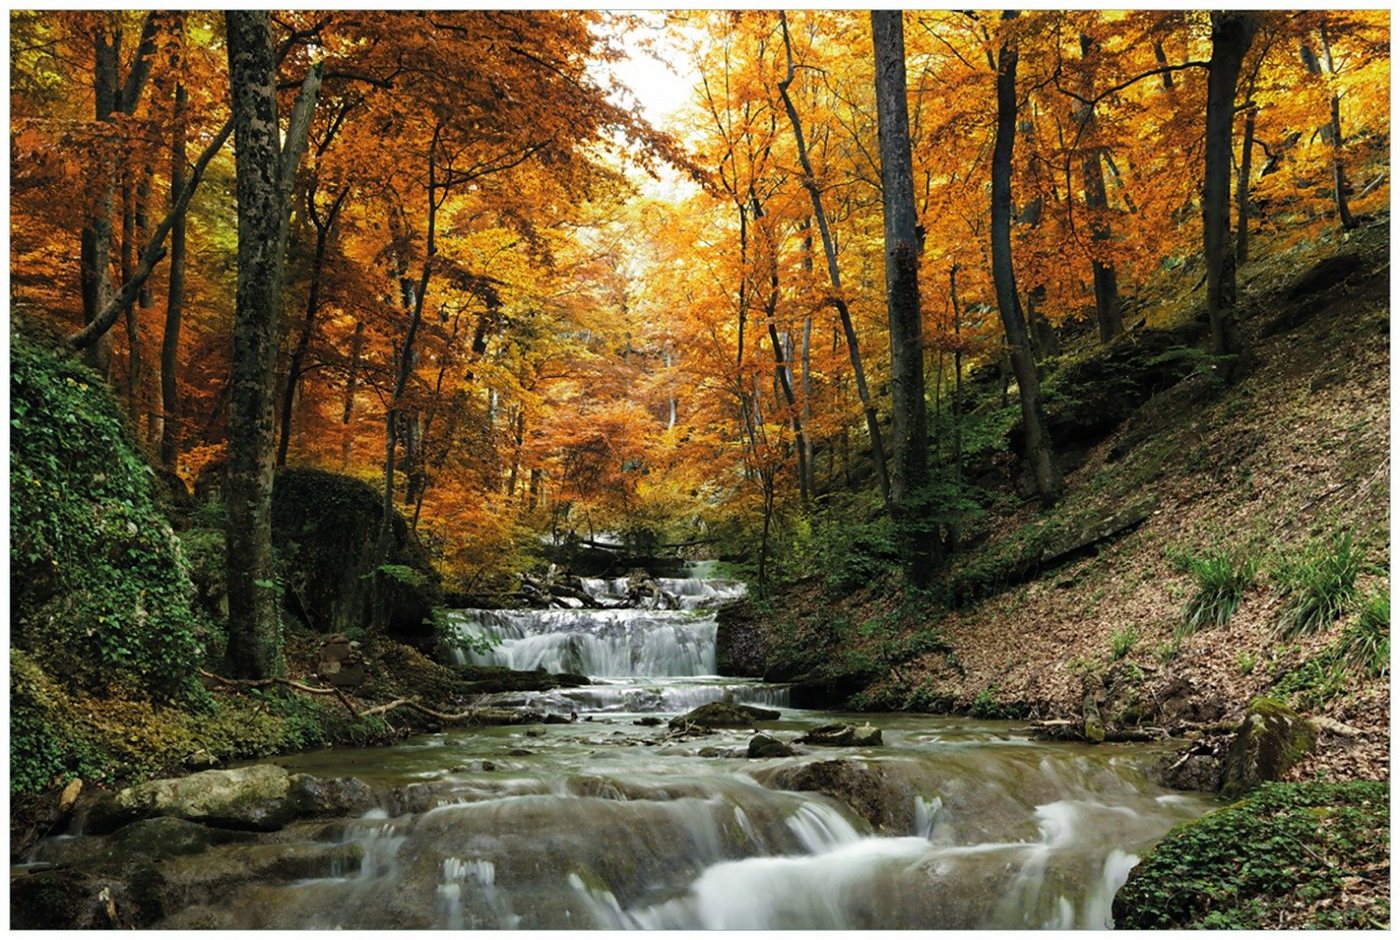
605	822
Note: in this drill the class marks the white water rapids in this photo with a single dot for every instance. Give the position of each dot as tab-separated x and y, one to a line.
607	823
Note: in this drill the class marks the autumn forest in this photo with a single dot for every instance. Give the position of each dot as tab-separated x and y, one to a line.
871	317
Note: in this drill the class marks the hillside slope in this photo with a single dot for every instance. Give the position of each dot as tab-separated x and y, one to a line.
1293	457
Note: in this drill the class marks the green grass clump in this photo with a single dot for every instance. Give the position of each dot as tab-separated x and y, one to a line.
1222	576
1318	584
1123	641
1365	644
1290	855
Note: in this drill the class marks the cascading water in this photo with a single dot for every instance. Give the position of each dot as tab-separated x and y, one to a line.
600	823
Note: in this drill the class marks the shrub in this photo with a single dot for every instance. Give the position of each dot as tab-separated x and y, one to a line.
1221	577
1317	584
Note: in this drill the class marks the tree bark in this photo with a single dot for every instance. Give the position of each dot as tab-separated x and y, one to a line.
918	537
1242	189
809	182
356	344
1039	449
263	173
1231	35
95	252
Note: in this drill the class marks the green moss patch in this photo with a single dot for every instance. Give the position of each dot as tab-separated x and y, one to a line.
1291	855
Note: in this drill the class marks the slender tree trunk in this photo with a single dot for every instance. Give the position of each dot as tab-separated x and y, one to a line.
1231	35
96	239
807	368
782	367
919	538
1161	55
1242	190
356	344
1106	300
263	171
809	181
308	322
1334	130
1039	449
175	295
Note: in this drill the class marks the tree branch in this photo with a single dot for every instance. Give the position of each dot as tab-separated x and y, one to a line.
154	251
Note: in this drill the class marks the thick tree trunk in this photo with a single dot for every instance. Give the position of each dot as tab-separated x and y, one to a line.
1231	35
918	537
175	296
1039	450
263	171
809	182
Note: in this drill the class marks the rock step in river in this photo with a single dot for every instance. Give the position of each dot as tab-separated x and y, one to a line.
603	823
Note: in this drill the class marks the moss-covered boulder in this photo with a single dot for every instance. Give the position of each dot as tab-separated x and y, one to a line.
1271	739
262	797
99	587
325	528
1290	855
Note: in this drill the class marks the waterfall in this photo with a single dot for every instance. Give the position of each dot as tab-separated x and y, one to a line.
617	642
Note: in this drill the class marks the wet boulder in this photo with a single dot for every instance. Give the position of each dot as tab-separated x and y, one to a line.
839	735
764	745
861	787
258	798
1271	739
331	796
724	715
67	899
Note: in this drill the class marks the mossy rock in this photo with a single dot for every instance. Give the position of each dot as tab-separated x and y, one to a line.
1290	855
1271	739
325	529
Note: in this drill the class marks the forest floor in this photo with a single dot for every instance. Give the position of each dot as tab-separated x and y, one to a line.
1300	450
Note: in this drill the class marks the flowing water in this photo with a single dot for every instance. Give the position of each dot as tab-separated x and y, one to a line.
607	823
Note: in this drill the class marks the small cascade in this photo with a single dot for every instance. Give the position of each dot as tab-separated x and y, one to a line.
613	642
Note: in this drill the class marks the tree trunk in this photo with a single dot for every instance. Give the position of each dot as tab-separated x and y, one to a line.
1106	300
1339	179
1039	449
175	295
1231	35
910	480
356	344
308	322
263	172
1242	190
95	252
809	181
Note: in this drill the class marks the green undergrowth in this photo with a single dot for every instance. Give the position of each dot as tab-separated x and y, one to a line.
1221	576
1290	855
116	737
101	591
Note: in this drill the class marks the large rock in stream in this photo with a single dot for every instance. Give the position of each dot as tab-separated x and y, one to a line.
865	788
724	715
263	797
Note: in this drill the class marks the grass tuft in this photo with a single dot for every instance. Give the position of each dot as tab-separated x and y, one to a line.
1318	584
1222	575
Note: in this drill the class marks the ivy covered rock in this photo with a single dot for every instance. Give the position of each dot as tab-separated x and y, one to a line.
1271	739
1290	855
100	588
325	529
